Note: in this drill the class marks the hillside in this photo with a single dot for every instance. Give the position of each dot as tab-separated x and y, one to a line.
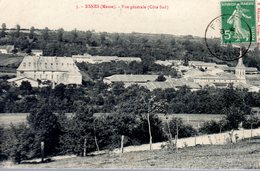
242	155
10	60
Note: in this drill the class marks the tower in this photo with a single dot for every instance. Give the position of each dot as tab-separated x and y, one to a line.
240	70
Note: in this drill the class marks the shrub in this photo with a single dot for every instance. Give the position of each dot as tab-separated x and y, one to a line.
135	129
184	130
210	127
18	142
252	121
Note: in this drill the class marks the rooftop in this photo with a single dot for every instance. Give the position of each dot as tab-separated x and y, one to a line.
47	63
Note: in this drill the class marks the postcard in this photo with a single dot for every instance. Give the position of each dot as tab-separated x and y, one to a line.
130	84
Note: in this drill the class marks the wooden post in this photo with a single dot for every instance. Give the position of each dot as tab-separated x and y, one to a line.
251	134
122	144
210	141
177	135
150	133
85	148
169	130
42	151
251	127
96	143
95	137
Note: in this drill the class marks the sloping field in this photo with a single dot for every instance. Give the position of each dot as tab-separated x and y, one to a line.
10	60
242	155
196	120
15	118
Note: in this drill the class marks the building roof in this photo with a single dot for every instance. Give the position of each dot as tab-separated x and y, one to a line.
248	69
131	78
48	63
19	78
201	63
36	50
105	58
7	47
173	83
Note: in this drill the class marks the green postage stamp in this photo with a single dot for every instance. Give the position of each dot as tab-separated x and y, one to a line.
238	21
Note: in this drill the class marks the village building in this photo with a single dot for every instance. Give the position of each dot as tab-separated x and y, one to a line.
223	79
42	68
151	83
101	59
7	49
36	52
130	79
203	65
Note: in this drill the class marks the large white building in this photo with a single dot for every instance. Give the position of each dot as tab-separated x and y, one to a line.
101	59
42	68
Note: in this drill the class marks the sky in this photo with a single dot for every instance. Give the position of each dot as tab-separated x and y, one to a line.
183	17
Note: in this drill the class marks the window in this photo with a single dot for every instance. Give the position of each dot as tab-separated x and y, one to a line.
24	64
29	64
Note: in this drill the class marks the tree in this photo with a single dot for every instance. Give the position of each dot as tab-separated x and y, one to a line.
46	128
3	31
160	78
78	137
74	35
234	116
184	130
31	34
45	33
210	127
26	86
18	141
60	34
18	29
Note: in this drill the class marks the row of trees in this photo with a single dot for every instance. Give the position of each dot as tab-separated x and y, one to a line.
105	98
66	43
86	132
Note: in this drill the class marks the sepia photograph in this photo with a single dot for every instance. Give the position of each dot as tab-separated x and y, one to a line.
130	84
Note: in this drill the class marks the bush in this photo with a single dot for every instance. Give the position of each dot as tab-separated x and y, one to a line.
135	129
18	142
44	125
210	127
184	130
252	121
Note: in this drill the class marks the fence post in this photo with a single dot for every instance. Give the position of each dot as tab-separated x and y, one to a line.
177	135
85	147
42	151
122	144
210	141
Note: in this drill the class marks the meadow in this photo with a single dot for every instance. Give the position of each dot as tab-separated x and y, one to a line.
242	155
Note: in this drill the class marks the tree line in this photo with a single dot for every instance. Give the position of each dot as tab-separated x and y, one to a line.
121	111
160	47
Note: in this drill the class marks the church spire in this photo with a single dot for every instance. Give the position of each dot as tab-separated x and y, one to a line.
240	70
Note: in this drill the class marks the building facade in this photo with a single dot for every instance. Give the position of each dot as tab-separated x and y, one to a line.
55	69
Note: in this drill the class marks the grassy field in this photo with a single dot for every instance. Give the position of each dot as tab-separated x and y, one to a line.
195	120
15	118
10	60
242	155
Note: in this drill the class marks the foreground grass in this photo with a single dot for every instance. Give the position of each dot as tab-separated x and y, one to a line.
242	155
